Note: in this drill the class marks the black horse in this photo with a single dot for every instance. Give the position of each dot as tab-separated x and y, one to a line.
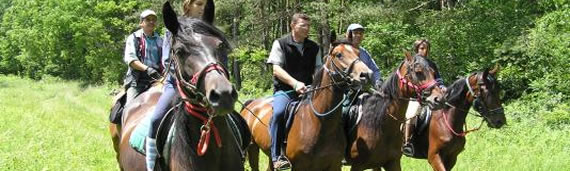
202	135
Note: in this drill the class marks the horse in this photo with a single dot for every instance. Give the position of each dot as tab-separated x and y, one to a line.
376	141
316	131
444	140
205	97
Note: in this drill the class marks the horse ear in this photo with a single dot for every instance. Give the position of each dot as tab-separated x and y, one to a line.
484	76
209	12
170	19
409	56
349	36
495	70
333	36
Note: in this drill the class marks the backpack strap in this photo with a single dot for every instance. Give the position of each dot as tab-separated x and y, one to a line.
139	47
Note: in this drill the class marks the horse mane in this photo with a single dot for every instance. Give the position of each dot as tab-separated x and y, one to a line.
376	105
456	91
184	138
198	26
378	102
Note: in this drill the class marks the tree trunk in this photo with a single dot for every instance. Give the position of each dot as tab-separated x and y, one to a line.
235	35
324	29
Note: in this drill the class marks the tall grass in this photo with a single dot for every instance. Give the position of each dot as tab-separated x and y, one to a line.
54	125
61	125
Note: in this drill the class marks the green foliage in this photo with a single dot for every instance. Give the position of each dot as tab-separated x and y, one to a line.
255	74
72	39
464	40
538	61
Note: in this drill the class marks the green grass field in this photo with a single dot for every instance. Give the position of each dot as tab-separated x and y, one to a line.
61	125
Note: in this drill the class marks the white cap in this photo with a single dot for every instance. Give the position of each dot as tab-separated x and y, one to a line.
146	13
354	26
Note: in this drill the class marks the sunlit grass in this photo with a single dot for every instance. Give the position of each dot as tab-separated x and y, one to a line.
60	125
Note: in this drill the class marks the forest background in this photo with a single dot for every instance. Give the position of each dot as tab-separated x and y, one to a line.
83	41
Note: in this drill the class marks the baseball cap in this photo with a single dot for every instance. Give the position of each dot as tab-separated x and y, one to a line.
354	26
146	13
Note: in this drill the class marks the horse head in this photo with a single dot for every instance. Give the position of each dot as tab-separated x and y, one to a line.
418	78
485	91
344	65
197	49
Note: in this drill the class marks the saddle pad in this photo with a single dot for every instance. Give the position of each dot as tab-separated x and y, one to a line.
137	140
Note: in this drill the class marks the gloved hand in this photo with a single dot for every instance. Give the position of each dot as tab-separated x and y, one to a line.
152	73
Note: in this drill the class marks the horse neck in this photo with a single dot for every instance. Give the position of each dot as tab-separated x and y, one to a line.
326	99
188	134
385	110
398	94
457	113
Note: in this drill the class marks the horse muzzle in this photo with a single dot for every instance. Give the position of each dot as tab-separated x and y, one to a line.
362	79
222	100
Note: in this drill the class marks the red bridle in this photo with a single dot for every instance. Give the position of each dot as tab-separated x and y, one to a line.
201	105
417	89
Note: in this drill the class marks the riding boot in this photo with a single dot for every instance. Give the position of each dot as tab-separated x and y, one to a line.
408	148
151	153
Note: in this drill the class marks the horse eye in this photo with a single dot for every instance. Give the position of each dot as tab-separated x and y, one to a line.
339	55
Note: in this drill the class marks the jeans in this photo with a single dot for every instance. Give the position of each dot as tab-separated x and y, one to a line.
162	105
277	123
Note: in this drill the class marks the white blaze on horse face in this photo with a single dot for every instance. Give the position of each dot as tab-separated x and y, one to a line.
203	53
349	48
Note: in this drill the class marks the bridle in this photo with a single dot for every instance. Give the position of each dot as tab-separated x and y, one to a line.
479	106
196	103
420	90
340	78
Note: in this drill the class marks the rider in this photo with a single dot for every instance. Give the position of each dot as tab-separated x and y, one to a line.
294	58
357	32
142	55
193	9
421	48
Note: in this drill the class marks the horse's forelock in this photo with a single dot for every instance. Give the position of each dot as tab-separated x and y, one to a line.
190	26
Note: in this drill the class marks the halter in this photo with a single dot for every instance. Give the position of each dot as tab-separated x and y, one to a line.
479	107
418	89
196	103
345	80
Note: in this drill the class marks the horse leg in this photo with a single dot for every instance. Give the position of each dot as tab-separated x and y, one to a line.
114	129
355	168
253	157
336	167
393	165
451	160
436	161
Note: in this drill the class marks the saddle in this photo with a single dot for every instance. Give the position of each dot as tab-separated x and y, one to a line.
352	115
118	106
120	100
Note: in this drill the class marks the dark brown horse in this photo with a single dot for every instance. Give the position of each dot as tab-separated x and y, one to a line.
376	141
316	138
203	139
442	142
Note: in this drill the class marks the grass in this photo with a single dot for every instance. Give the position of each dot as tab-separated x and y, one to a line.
60	125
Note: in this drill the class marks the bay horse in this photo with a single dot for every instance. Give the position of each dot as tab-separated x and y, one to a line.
376	141
205	96
444	140
316	138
